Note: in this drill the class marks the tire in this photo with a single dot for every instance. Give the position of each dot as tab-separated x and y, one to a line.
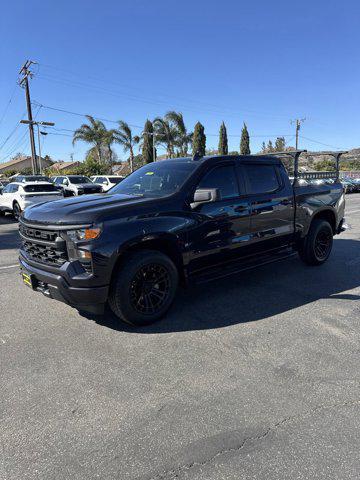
16	210
2	213
317	245
147	279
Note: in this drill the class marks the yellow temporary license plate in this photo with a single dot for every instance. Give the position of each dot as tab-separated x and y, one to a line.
27	279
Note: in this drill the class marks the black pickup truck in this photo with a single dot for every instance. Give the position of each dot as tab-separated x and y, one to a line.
170	222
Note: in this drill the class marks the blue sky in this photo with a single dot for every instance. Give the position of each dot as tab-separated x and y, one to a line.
261	62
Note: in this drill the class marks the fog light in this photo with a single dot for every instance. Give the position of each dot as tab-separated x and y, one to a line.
84	254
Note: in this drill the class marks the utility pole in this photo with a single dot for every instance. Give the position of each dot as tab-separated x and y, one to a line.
297	123
24	82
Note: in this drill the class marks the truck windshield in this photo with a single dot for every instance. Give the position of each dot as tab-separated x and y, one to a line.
156	179
78	180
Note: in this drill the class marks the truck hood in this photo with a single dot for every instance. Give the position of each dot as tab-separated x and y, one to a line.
81	210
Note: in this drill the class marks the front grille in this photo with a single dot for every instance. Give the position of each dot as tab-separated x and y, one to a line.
92	190
44	246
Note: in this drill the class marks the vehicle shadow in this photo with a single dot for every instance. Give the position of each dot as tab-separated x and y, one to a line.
10	238
257	294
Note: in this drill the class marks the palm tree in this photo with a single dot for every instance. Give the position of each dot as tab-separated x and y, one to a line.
123	135
171	132
96	134
182	136
164	134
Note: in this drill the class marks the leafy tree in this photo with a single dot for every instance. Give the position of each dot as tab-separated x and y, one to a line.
96	134
92	166
263	148
280	144
123	135
325	165
199	140
138	161
223	141
148	143
245	141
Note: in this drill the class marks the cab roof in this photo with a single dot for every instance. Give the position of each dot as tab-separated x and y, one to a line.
238	158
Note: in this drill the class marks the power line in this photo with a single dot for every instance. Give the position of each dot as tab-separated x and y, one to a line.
8	104
11	133
19	142
320	143
71	82
35	102
80	114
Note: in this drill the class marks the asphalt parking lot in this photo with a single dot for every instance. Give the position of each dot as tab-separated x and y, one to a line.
252	377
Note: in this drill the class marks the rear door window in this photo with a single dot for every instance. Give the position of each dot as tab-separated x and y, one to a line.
262	178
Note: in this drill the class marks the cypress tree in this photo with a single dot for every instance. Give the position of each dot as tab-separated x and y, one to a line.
245	141
148	143
199	140
270	147
223	141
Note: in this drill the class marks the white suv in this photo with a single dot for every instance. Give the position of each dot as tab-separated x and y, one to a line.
76	185
107	181
17	196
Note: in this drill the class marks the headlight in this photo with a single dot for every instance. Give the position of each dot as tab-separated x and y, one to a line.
84	233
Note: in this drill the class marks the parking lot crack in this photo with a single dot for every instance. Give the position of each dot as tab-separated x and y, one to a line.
176	472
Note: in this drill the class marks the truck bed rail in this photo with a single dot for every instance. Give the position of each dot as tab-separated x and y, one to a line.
295	154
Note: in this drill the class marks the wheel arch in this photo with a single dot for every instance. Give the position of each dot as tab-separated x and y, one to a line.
326	214
13	203
166	244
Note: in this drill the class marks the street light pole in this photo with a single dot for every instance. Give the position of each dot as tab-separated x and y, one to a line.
38	132
32	123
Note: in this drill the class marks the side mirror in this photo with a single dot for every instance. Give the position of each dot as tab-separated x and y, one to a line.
205	195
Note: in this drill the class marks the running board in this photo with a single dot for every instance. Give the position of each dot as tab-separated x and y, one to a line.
233	269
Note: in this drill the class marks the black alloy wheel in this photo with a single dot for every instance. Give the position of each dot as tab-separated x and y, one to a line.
316	247
16	211
323	244
143	287
150	288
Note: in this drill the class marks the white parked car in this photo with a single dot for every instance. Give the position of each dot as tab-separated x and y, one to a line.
107	181
17	196
76	185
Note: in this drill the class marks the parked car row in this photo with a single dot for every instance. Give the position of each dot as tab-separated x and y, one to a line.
351	185
22	191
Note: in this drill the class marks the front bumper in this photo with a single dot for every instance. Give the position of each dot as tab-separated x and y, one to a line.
52	285
343	226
